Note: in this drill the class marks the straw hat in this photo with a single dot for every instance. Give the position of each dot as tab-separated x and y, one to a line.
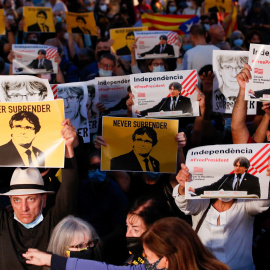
26	181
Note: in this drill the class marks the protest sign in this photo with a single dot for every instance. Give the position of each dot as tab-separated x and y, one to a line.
75	96
226	66
165	94
113	93
118	36
139	145
218	5
92	110
2	25
38	19
81	23
215	171
258	88
34	59
31	134
24	88
156	44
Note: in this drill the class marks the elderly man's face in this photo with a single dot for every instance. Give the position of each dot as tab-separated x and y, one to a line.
142	145
72	105
27	208
228	73
23	133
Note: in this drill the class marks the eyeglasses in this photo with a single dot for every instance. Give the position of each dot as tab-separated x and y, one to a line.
18	97
108	66
85	245
25	128
41	17
230	68
157	64
145	141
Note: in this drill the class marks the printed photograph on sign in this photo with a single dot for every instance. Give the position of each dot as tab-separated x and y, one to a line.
226	66
31	134
113	93
218	5
75	96
34	59
228	171
119	35
153	44
258	87
92	110
165	94
139	145
2	25
38	19
24	88
81	23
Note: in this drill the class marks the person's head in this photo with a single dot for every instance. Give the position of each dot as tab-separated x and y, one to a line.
254	36
107	65
175	89
81	22
217	33
91	95
191	3
205	21
187	44
24	127
241	165
171	7
156	65
144	139
163	39
197	32
72	97
41	54
237	39
31	38
103	47
228	68
41	17
71	237
27	194
23	91
130	38
173	242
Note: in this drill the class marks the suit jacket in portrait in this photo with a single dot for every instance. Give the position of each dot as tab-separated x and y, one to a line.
123	51
9	155
35	28
129	162
250	183
78	30
47	64
183	104
168	49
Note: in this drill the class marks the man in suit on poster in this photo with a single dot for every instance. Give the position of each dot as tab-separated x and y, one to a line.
41	62
139	159
239	181
19	151
40	25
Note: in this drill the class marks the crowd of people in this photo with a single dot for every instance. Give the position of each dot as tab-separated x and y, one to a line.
81	217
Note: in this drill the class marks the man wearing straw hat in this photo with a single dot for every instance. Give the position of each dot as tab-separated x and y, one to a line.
28	227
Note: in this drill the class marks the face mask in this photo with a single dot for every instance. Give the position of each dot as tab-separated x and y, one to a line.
97	176
238	42
85	253
66	36
104	73
189	4
90	8
100	53
187	47
225	199
206	27
103	8
32	224
153	266
172	9
158	69
153	174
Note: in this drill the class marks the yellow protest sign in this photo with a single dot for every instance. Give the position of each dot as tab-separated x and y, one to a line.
218	5
81	23
139	144
123	39
31	134
38	19
2	24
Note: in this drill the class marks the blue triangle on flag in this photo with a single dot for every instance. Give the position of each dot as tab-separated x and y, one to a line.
185	27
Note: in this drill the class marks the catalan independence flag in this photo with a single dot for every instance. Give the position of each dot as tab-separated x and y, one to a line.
165	22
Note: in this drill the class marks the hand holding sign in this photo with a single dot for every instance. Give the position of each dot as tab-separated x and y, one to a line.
182	177
244	76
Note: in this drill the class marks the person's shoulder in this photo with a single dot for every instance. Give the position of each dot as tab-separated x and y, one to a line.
6	145
248	175
36	150
182	98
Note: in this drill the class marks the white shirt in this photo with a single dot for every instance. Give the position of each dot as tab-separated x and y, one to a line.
231	241
172	102
235	180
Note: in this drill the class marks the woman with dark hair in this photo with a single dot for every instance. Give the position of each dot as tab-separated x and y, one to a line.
169	244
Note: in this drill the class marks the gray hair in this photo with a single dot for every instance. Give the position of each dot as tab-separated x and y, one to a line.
66	230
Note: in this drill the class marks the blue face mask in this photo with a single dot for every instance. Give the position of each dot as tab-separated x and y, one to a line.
104	73
187	47
32	224
238	42
153	175
172	9
206	27
97	176
158	69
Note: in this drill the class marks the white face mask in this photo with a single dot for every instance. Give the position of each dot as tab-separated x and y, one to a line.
225	199
104	73
158	69
66	36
